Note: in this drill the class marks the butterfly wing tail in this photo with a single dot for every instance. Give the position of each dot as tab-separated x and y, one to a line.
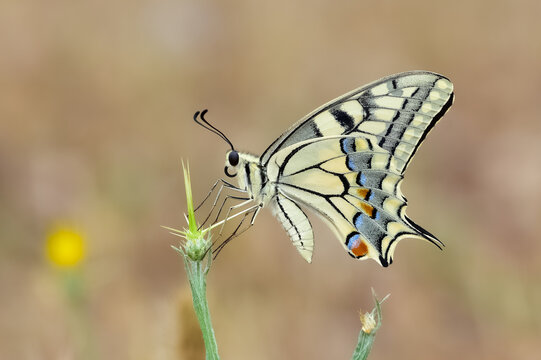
424	234
296	224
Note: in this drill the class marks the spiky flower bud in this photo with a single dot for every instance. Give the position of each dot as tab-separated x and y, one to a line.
196	246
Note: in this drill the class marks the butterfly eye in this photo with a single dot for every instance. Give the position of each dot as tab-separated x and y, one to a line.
233	158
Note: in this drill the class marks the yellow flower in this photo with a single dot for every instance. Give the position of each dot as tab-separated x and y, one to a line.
65	247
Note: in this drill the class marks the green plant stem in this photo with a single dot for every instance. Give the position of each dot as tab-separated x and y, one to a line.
364	345
197	275
74	287
367	335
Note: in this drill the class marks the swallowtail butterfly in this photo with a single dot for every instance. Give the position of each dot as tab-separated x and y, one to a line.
345	161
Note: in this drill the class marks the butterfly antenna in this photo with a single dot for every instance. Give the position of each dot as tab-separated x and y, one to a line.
210	127
216	131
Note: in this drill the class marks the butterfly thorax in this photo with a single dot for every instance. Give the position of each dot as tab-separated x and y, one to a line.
251	176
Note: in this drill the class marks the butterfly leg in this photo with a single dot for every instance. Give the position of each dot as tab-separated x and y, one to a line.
220	209
234	207
224	185
253	211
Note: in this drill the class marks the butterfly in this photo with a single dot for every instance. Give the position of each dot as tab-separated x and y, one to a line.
345	161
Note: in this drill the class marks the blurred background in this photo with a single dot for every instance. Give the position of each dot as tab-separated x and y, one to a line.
96	113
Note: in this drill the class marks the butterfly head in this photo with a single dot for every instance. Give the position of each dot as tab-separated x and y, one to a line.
232	161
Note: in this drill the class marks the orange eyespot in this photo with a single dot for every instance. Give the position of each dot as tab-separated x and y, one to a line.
360	249
356	245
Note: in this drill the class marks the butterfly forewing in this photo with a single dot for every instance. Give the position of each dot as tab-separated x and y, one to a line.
398	111
346	161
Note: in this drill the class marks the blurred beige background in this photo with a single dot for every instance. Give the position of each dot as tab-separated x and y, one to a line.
95	117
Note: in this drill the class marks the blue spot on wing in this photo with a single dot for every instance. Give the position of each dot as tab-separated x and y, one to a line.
350	164
369	227
347	145
359	220
362	179
353	241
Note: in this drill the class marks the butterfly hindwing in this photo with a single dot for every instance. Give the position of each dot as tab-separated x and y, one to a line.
296	224
353	184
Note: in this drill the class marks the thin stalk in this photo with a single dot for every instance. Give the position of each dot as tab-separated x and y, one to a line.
371	323
194	250
197	276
